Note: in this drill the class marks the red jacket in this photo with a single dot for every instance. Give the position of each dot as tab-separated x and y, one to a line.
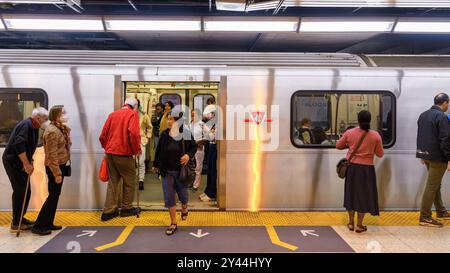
121	134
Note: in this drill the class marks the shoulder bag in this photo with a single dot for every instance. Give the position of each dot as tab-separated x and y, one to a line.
187	172
342	166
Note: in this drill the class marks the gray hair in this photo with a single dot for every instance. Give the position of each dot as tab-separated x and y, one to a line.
131	101
39	111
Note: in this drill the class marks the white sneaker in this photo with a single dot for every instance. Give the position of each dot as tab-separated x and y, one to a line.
205	198
202	195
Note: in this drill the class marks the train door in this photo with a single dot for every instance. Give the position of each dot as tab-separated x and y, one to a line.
153	96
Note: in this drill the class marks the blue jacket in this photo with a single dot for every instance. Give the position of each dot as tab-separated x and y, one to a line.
433	135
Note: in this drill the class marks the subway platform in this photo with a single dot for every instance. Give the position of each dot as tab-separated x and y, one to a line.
229	232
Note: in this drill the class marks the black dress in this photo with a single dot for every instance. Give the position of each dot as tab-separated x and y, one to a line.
361	193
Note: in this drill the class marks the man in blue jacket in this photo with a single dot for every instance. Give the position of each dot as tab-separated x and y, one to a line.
433	147
18	162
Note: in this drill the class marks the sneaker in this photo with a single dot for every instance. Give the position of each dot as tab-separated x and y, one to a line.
41	232
443	215
205	198
141	185
23	227
128	212
430	222
202	195
109	216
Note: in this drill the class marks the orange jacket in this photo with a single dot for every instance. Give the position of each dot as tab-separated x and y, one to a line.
121	134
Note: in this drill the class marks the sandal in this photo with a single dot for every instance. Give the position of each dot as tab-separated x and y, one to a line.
361	229
184	215
351	227
171	229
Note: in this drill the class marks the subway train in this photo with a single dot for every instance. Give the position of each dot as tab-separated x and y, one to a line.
264	99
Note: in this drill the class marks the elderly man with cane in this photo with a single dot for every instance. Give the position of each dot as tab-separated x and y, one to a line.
18	162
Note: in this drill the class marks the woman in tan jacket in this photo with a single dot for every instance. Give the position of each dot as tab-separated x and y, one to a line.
57	153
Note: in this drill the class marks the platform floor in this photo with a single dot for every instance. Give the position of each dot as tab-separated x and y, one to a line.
230	232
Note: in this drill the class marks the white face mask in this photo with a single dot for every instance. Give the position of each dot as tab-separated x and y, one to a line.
45	125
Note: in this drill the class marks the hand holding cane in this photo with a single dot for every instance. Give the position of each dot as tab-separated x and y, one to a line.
23	206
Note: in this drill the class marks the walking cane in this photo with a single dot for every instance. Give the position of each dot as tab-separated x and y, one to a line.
23	206
138	208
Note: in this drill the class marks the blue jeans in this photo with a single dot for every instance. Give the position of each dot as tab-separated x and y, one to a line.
170	185
211	181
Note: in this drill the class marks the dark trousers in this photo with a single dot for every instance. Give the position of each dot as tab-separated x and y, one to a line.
48	210
18	178
211	181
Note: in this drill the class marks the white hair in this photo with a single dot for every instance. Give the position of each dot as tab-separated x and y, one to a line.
39	111
131	101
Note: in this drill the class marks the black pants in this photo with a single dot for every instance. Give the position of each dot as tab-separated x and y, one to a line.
48	210
18	178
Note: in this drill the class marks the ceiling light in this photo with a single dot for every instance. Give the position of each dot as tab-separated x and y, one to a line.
154	25
431	27
346	26
251	25
53	24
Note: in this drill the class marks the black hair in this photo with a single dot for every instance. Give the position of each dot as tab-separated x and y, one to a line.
305	121
171	105
364	118
139	102
159	105
210	100
440	98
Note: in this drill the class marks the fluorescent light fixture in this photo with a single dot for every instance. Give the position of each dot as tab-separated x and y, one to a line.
252	26
430	27
346	26
154	25
54	24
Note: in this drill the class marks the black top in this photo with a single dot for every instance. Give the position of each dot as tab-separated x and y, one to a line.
162	154
433	135
174	154
24	138
156	122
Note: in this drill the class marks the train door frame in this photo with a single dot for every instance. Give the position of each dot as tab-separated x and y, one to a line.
119	99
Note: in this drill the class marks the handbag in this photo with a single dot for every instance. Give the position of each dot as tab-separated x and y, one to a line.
344	163
103	171
66	169
187	172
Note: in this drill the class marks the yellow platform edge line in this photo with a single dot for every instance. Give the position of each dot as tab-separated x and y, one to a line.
119	241
276	240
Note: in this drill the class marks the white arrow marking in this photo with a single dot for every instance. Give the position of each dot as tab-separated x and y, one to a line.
90	233
199	233
309	232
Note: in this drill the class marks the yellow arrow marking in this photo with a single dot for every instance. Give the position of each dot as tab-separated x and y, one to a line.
276	241
120	240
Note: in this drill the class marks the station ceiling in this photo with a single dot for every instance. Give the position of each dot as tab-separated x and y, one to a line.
352	42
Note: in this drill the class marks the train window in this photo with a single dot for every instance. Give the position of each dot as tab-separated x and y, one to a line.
320	118
200	101
174	98
16	105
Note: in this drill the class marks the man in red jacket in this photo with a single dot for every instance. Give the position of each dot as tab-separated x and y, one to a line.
121	140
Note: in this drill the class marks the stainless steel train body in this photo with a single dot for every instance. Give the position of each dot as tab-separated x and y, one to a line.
90	85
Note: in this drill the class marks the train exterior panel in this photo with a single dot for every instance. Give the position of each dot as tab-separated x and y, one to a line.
291	178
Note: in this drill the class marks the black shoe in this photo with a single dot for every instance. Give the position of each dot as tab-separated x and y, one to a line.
27	222
443	215
430	222
23	227
41	232
141	185
128	212
55	227
109	216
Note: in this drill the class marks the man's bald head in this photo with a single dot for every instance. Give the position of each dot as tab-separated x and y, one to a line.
442	100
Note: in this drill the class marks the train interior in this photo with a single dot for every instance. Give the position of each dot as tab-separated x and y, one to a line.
321	118
192	95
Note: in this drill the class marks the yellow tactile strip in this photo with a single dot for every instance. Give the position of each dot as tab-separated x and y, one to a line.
228	218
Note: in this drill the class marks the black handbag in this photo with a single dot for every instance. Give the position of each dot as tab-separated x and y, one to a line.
187	172
343	164
66	169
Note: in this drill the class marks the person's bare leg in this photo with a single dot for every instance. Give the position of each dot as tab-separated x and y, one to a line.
351	220
359	226
173	215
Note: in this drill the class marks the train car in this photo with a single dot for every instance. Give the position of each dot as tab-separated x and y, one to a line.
268	166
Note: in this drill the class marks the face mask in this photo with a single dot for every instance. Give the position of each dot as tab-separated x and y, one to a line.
45	125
